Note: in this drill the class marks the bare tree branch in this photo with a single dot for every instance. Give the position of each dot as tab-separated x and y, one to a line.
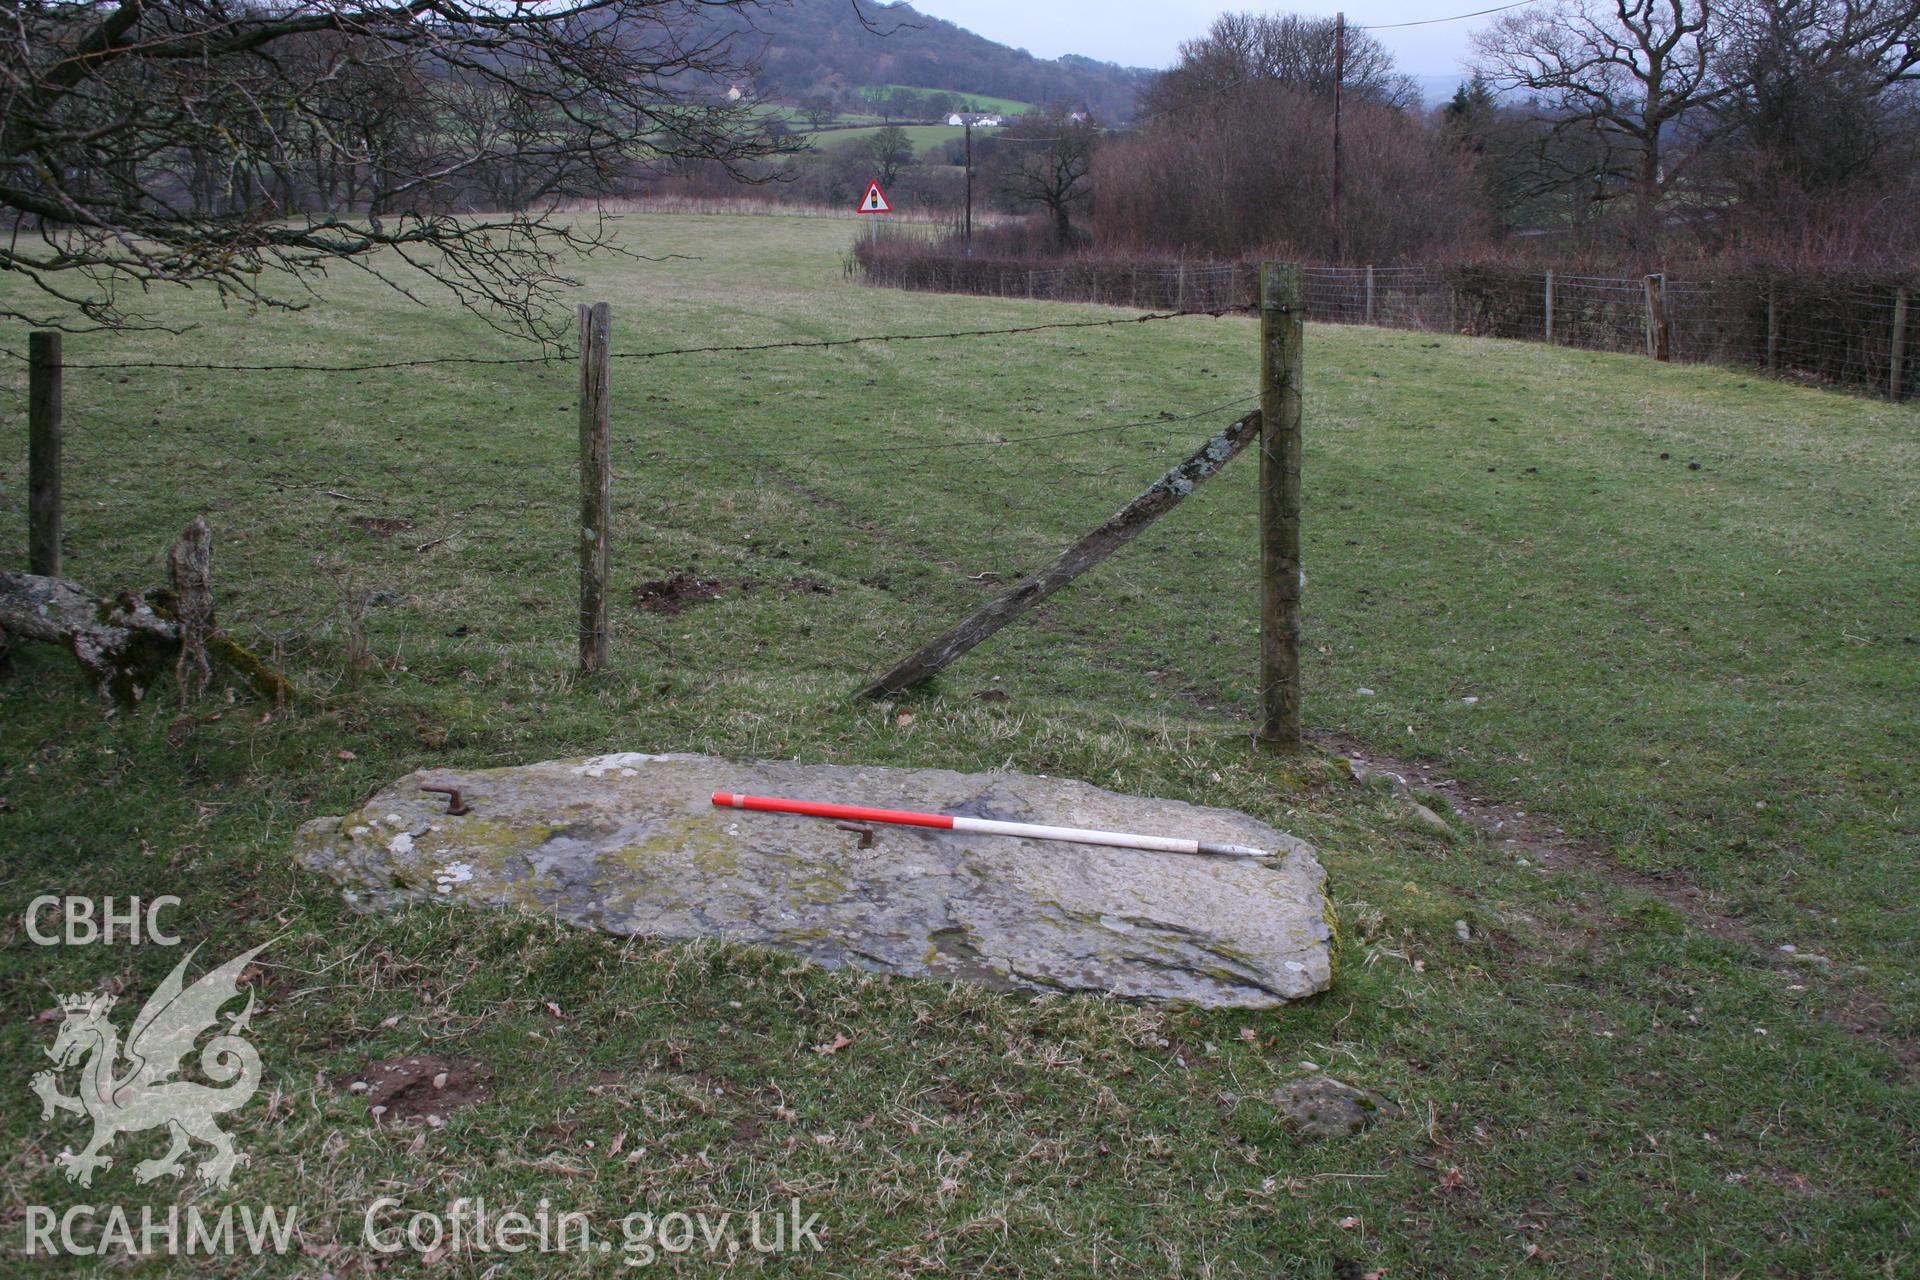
247	148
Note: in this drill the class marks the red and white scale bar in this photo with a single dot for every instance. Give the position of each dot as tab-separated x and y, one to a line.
984	826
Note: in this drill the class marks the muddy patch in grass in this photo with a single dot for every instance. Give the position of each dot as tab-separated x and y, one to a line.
385	526
672	595
420	1087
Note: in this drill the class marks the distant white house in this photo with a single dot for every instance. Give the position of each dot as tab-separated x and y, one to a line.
984	121
956	119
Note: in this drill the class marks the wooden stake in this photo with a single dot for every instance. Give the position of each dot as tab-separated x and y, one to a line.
596	483
1369	295
1549	308
1898	347
1657	333
1164	495
44	430
1282	341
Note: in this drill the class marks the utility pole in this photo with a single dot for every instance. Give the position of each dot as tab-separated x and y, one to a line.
968	238
1339	80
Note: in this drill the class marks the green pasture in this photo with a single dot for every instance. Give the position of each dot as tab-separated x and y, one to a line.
1670	611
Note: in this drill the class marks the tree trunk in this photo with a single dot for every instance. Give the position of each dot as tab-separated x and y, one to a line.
1646	196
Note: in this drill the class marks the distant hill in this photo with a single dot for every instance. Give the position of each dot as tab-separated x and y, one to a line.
813	46
1436	91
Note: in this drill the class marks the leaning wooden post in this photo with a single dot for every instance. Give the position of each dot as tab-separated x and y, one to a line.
1122	527
1657	333
1898	347
1549	308
596	483
43	454
1282	341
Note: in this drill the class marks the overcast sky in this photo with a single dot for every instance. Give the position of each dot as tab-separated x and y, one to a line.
1147	33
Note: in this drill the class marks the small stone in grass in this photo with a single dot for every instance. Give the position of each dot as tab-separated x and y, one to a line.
1322	1106
1431	820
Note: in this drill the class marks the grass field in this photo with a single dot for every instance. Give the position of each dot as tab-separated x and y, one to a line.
976	101
926	138
1607	1064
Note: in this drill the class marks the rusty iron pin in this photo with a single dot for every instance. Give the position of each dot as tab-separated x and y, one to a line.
455	805
865	833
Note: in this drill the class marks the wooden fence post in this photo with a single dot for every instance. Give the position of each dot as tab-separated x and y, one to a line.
1658	340
1773	324
1898	347
1549	308
43	453
1369	295
1282	334
596	483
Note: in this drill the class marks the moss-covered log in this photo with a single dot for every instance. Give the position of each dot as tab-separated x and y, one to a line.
123	643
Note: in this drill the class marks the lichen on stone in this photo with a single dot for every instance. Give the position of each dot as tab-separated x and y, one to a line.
630	844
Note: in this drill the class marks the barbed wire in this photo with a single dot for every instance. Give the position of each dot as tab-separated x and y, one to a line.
729	349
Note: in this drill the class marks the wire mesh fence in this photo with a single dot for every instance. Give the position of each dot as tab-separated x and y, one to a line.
1824	328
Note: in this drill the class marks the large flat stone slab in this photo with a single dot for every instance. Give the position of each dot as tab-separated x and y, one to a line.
631	844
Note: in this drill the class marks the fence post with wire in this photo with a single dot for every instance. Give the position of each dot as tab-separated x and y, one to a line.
1835	328
1897	347
1283	304
596	484
44	445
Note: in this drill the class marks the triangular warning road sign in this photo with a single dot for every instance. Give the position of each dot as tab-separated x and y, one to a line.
875	201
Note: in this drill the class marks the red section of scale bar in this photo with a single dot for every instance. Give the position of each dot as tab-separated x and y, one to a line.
850	812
